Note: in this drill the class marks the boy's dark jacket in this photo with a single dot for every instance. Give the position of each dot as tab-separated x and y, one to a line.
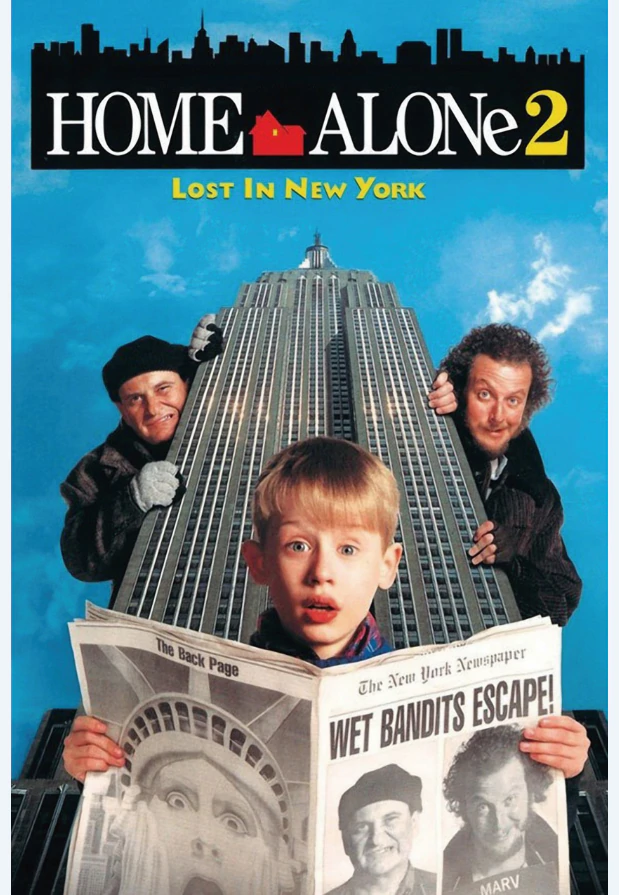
366	642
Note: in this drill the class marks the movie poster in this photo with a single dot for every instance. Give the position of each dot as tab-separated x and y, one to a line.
116	245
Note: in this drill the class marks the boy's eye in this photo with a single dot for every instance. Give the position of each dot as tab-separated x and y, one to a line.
348	550
298	546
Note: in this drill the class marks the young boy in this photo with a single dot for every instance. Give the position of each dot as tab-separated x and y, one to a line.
325	513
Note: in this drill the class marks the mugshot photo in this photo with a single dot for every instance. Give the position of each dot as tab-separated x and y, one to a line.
499	817
381	827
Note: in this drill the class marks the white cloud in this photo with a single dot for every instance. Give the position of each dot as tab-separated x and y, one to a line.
287	234
595	155
203	219
596	336
20	104
25	181
601	208
580	478
158	241
166	282
575	306
548	287
80	355
227	256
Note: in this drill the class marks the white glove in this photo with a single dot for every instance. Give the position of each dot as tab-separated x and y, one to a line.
155	485
206	340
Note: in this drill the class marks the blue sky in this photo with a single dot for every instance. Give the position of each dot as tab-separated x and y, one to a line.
100	258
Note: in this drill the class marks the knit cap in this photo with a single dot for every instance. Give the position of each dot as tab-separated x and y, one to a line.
143	355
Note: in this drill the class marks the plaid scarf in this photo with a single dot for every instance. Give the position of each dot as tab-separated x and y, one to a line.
366	642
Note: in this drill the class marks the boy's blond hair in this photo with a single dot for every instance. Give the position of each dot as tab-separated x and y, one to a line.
334	481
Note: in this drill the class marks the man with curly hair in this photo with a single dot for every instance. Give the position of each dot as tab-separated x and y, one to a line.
501	377
492	786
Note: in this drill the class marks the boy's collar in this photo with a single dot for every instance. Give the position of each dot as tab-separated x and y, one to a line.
367	641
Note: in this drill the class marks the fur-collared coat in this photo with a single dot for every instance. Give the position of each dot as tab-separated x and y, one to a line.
103	520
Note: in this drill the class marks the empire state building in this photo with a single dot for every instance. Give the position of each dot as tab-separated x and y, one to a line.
315	350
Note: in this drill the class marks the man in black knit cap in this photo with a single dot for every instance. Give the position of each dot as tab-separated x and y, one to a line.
501	377
112	488
378	818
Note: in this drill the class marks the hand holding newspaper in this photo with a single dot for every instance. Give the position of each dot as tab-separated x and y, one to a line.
252	773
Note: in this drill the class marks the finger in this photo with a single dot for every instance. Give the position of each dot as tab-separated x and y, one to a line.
566	758
486	541
440	400
102	752
86	739
445	409
483	529
87	722
487	555
569	768
564	721
442	391
442	395
576	752
440	380
557	734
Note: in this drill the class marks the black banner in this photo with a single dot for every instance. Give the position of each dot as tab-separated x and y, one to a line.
258	106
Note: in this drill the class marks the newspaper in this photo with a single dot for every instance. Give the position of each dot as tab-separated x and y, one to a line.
252	772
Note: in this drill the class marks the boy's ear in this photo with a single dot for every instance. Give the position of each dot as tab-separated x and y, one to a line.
390	562
254	557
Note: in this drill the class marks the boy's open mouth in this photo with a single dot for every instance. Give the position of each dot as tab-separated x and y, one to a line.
319	611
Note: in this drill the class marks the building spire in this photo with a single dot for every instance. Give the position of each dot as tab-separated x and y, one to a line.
201	45
317	255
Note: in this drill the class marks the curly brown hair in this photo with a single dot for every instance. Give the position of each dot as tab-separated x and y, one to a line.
484	753
501	342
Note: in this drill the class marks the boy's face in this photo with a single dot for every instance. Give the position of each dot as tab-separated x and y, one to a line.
321	580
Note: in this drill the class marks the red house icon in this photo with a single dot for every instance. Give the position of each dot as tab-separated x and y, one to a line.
272	138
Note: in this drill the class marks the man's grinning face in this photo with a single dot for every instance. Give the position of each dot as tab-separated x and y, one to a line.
496	397
151	404
379	837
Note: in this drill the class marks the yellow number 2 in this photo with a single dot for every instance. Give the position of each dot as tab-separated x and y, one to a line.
558	112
